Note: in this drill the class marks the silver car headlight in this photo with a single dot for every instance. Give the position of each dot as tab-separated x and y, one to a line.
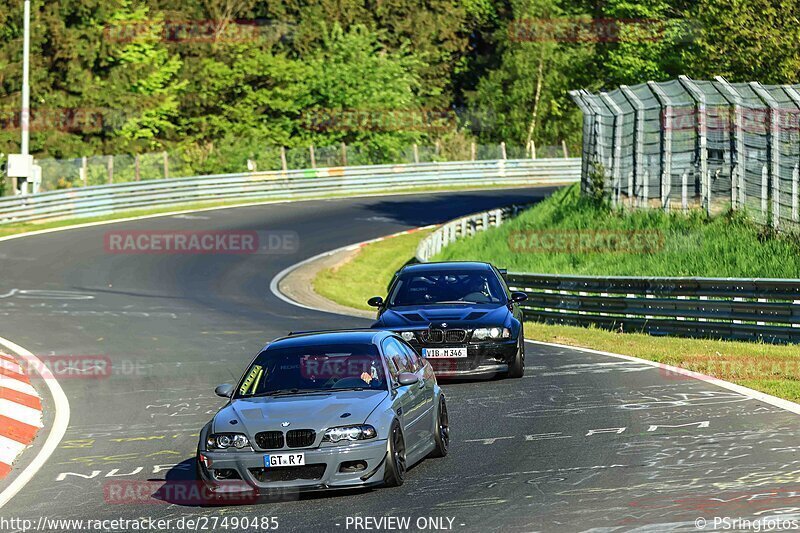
223	441
349	433
491	333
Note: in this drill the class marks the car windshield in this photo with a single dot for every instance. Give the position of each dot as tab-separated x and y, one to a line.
313	369
452	286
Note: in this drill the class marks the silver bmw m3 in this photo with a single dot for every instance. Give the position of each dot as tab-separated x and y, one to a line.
327	410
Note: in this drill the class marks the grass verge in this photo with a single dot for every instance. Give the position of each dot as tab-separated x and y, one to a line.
763	367
570	234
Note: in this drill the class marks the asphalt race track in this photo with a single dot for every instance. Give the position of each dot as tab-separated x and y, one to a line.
582	442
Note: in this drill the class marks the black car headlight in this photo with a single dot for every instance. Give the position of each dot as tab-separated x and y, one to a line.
223	441
349	433
407	336
481	334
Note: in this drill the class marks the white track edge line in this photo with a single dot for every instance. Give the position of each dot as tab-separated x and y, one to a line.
60	422
276	280
744	391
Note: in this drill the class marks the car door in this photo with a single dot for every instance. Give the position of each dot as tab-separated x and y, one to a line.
410	398
427	384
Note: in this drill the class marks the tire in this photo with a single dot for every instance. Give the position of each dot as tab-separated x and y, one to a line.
517	367
442	435
395	472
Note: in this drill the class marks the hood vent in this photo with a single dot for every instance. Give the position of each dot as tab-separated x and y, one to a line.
413	317
475	315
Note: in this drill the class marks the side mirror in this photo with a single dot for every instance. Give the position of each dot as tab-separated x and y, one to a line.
224	391
407	378
518	297
375	301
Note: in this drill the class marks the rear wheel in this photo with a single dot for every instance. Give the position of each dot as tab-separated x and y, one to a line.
442	436
395	472
517	367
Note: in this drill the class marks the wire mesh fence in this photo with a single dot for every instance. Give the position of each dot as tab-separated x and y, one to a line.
686	144
60	174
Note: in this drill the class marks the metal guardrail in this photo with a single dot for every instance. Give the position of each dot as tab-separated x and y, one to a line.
467	226
729	308
742	309
108	199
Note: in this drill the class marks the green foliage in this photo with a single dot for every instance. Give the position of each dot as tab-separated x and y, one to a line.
224	80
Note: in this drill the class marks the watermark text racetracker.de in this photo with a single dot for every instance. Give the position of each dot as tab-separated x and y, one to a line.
185	523
569	241
201	242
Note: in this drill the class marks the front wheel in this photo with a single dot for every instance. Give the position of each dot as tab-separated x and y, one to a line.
517	367
442	436
395	472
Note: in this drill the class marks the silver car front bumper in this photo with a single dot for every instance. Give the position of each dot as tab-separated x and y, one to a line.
322	470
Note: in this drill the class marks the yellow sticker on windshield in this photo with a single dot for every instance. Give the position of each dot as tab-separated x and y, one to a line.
251	378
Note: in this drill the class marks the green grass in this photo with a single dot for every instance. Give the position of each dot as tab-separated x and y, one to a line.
664	244
368	273
764	367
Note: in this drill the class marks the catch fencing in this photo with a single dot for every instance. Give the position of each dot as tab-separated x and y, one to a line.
293	184
686	144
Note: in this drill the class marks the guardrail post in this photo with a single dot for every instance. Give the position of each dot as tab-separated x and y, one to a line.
110	169
638	150
344	155
616	170
684	191
473	151
503	150
564	148
666	142
416	153
284	164
165	156
738	191
313	156
764	192
795	192
702	139
136	175
589	141
85	170
774	143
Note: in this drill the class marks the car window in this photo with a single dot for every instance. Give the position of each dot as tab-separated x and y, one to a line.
413	358
316	368
452	286
395	353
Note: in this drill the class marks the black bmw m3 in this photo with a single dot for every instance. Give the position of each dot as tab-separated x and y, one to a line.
461	316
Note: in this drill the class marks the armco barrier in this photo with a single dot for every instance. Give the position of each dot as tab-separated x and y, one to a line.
108	199
727	308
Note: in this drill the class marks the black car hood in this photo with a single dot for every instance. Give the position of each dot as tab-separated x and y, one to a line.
454	315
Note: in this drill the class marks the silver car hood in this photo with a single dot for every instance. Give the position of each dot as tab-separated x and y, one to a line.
303	411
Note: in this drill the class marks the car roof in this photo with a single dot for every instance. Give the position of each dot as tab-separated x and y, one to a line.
447	265
316	338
